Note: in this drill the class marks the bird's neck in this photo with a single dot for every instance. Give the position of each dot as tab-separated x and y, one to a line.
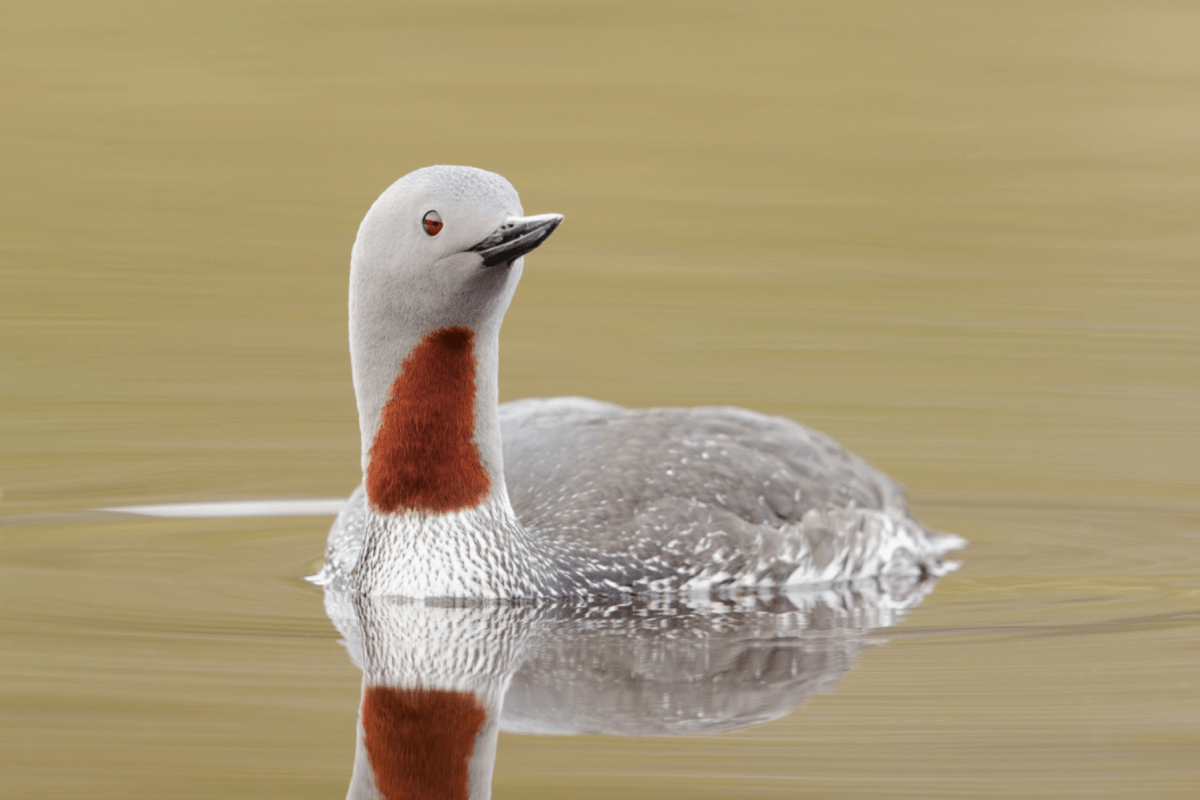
430	423
439	522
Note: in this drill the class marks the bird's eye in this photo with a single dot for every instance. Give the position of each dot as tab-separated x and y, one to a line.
433	223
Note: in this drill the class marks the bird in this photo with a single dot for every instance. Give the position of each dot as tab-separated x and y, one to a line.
466	498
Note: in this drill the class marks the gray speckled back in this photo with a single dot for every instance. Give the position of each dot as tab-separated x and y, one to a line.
705	498
579	463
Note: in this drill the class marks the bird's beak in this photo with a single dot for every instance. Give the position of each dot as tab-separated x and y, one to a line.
516	237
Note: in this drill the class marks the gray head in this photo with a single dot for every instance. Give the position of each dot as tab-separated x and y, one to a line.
414	256
440	249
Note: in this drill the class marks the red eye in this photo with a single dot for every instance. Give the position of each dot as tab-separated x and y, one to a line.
432	223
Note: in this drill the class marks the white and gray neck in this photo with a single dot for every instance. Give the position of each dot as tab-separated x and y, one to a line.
439	521
434	267
430	404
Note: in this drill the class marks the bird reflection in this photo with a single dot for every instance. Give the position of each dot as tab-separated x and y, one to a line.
441	679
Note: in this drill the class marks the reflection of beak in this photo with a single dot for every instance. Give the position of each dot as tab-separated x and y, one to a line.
516	237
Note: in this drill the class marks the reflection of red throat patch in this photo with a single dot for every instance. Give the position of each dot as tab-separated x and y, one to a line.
424	455
420	741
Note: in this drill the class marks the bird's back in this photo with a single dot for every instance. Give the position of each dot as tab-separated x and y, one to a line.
703	497
581	463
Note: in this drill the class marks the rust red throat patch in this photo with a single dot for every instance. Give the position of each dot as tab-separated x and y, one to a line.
420	741
424	455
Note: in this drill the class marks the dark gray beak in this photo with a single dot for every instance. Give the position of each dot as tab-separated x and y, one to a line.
516	237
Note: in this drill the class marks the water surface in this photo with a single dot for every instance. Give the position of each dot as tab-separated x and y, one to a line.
961	239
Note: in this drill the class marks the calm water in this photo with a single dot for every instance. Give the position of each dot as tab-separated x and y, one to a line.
960	239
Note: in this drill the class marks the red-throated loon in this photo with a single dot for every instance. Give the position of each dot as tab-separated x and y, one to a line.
465	498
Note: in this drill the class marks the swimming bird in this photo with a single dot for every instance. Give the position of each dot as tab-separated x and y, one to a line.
465	498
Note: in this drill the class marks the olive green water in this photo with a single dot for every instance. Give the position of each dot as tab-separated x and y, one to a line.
964	239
